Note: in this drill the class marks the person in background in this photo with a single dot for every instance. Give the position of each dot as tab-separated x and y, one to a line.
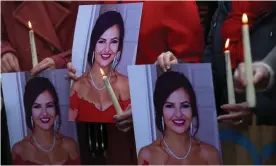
232	28
53	24
261	21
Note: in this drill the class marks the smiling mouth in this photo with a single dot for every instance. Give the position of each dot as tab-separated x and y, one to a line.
179	122
105	56
45	120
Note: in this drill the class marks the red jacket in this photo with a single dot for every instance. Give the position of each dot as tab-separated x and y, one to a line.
53	24
170	26
165	26
232	26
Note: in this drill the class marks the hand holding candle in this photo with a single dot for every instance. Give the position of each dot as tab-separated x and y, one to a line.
33	47
111	94
250	89
230	86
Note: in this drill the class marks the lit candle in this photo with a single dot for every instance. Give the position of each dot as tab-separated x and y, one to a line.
111	93
250	89
32	43
230	86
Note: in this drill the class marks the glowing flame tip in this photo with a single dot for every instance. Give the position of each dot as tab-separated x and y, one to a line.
29	24
227	43
244	19
102	72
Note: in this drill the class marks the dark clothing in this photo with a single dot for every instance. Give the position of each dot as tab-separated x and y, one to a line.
214	53
263	41
261	44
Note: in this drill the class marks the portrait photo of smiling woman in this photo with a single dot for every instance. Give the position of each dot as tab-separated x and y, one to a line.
109	50
173	130
38	133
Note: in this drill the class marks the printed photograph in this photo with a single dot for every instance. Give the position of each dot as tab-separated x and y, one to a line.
105	43
174	115
37	111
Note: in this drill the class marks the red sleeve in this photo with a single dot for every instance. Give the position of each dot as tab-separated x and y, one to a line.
125	104
5	45
62	59
231	28
185	36
74	101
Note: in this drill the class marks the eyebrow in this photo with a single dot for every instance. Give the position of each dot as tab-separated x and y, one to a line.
46	103
111	39
184	102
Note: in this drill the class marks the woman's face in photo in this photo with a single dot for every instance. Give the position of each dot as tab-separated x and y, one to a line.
177	111
107	46
43	111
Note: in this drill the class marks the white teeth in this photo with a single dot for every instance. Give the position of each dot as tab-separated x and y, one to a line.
45	119
179	121
106	55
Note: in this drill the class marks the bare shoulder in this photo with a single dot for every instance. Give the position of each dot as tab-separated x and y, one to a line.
150	149
123	85
81	83
69	143
153	153
210	153
144	154
122	80
71	147
20	147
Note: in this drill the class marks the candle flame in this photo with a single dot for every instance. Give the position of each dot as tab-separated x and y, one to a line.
30	25
244	19
227	43
102	72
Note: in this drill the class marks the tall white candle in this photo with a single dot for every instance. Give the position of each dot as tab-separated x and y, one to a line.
229	76
33	47
250	89
111	94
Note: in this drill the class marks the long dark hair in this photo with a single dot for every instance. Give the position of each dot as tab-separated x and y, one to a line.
165	85
33	89
104	22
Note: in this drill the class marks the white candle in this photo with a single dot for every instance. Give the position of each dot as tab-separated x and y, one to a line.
111	94
250	89
33	47
229	76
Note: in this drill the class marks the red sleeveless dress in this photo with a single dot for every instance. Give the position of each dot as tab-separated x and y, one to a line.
89	113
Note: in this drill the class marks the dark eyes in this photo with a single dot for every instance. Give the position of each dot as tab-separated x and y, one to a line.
169	106
113	41
38	106
101	41
185	105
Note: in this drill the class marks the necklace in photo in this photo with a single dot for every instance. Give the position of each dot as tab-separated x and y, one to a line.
41	148
95	86
174	155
